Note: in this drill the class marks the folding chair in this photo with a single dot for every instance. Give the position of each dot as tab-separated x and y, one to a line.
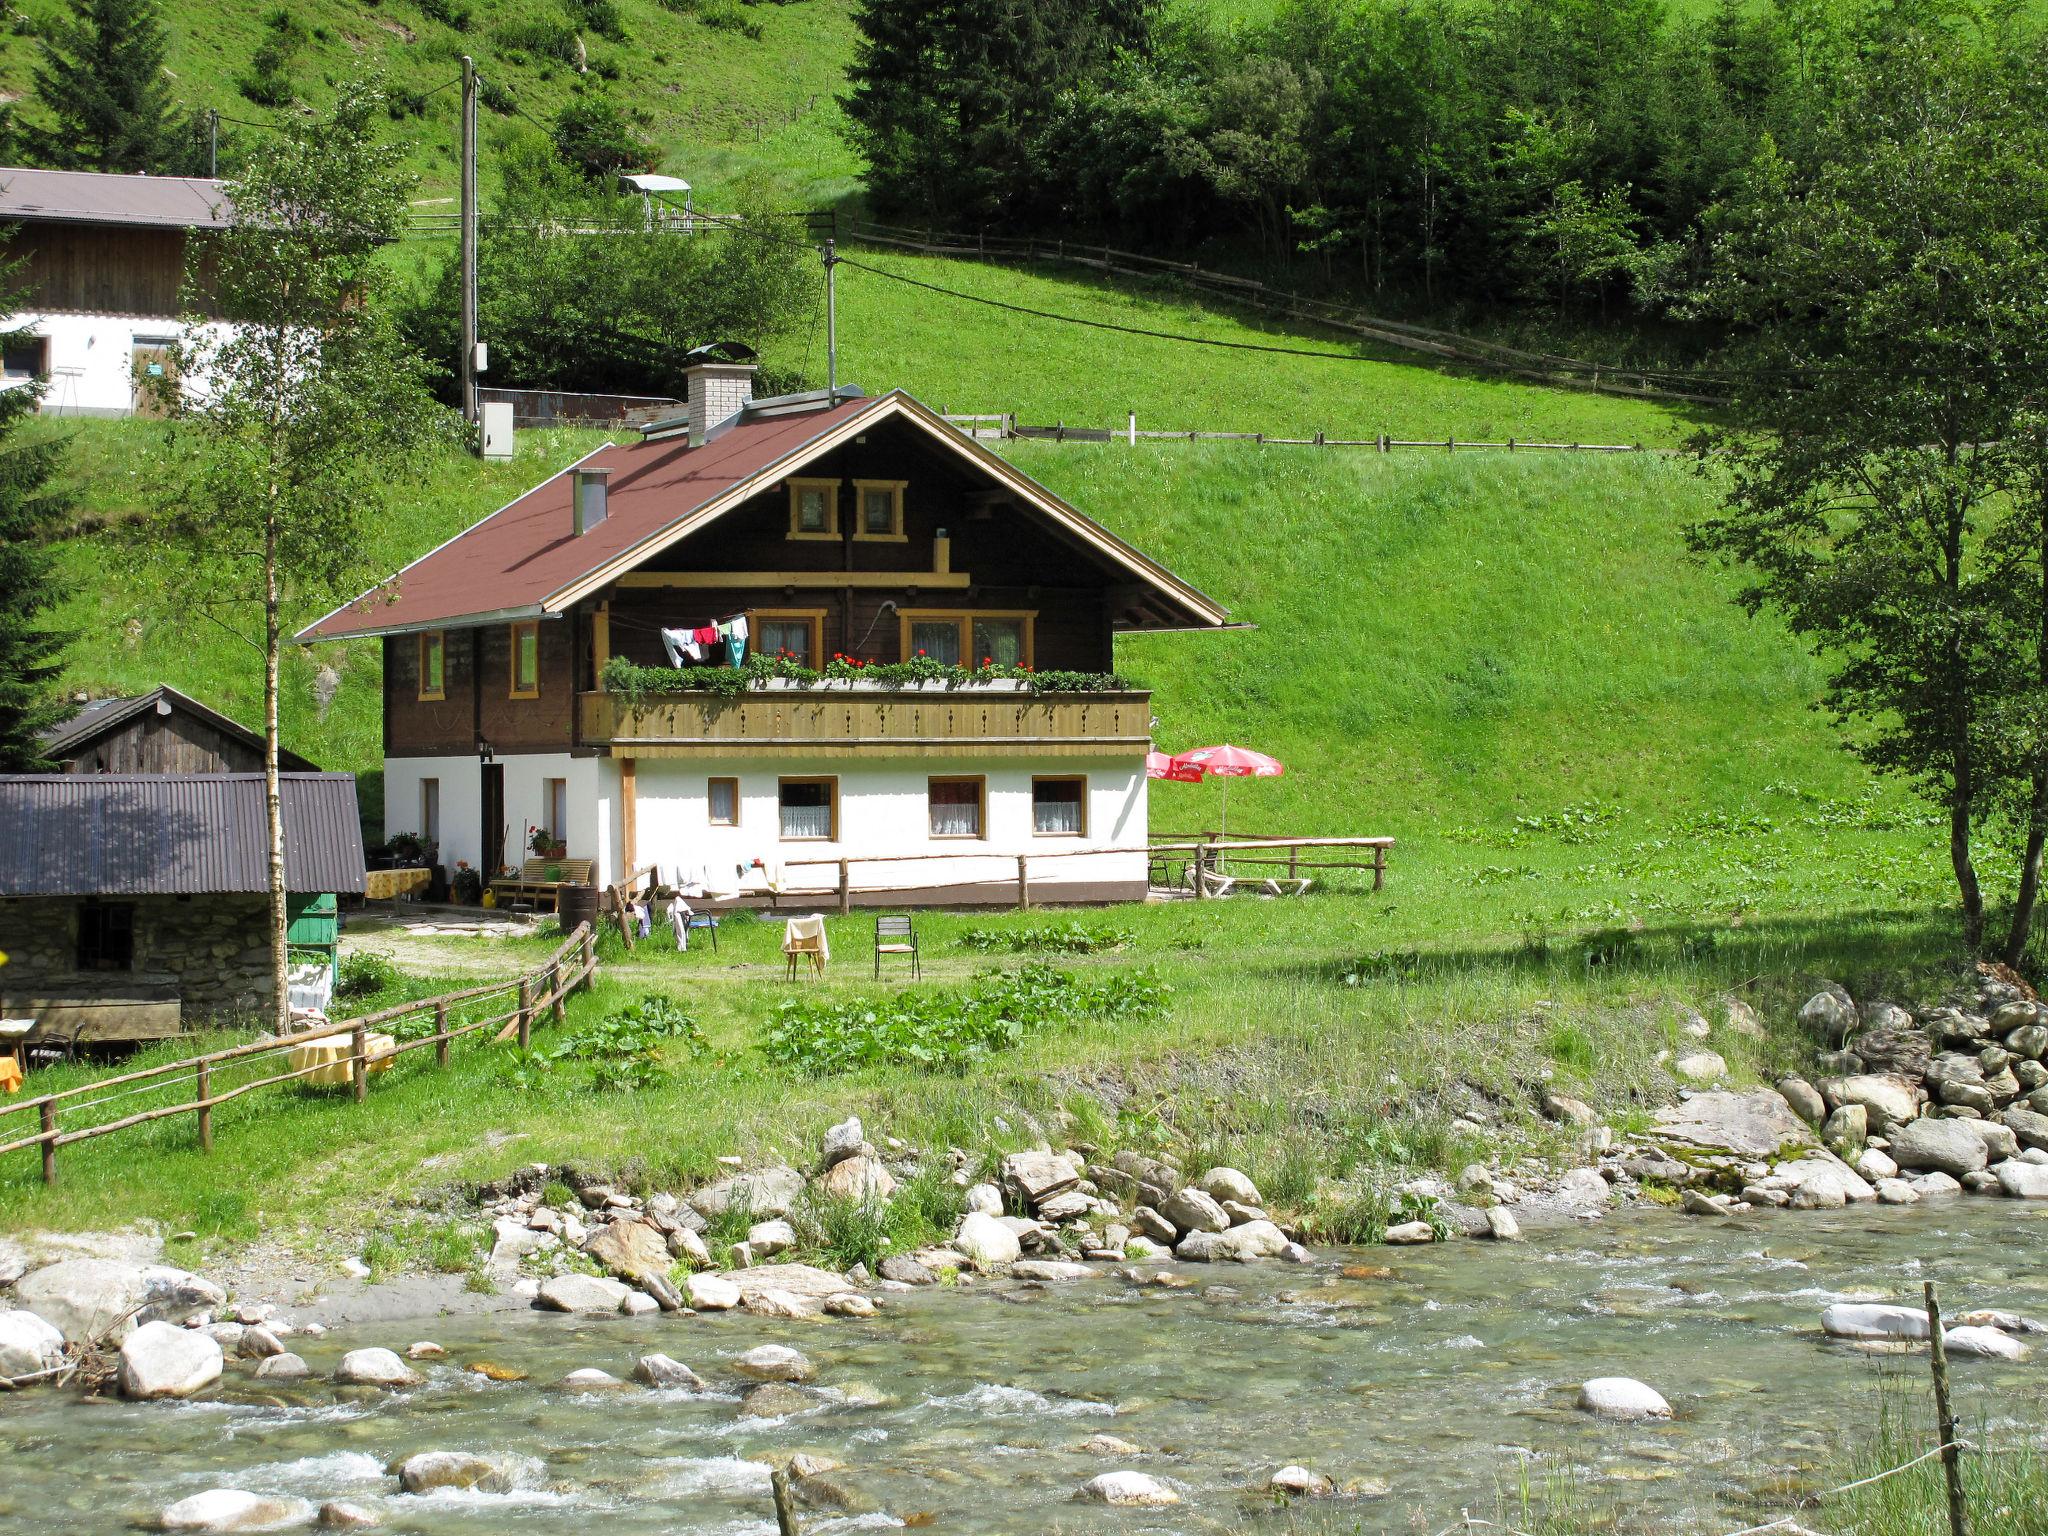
707	923
895	936
804	938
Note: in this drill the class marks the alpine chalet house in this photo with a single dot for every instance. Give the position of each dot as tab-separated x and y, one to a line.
563	673
103	258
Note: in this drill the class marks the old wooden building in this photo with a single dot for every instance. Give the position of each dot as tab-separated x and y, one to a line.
810	534
162	731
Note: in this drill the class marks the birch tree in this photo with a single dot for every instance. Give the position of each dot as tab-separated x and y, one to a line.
296	407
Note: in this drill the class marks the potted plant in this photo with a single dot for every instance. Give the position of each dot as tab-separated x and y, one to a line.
546	845
468	885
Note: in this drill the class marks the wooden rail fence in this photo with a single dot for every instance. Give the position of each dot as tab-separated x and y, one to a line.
1002	426
543	989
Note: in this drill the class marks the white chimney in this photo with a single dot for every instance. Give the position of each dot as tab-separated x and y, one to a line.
590	496
721	382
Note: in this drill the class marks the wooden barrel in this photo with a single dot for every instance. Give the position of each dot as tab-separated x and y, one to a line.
577	904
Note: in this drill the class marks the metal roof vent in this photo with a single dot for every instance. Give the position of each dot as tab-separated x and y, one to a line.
590	489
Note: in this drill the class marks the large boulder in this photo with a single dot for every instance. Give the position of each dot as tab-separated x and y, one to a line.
1040	1175
28	1344
158	1360
233	1509
1221	1184
1127	1490
859	1178
1240	1244
1622	1398
2022	1181
1982	1343
1873	1320
1192	1211
1830	1014
631	1250
986	1242
375	1368
712	1293
1804	1098
775	1362
2030	1127
1756	1124
1944	1146
764	1192
1886	1100
1893	1045
88	1300
806	1283
428	1470
590	1294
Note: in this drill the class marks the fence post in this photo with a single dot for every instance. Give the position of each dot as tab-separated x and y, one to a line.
1131	430
1201	872
359	1066
524	1018
589	953
1945	1418
1023	882
1383	442
202	1090
1379	867
845	887
556	988
1294	863
441	1034
49	1142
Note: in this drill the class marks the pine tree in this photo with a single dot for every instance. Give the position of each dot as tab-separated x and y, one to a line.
30	650
102	83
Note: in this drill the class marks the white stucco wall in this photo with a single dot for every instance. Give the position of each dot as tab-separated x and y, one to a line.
91	358
461	802
883	810
593	828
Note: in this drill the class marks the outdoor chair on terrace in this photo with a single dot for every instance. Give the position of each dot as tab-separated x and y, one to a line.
804	938
896	936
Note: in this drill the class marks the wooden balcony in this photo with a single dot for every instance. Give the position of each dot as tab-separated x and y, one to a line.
854	721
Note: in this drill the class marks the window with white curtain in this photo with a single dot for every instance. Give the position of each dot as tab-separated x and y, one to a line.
809	809
1059	807
955	806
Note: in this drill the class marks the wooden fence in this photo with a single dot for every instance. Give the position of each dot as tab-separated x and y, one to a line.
543	989
1452	346
1000	426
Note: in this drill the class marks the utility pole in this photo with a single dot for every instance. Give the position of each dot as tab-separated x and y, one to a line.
469	411
213	142
831	254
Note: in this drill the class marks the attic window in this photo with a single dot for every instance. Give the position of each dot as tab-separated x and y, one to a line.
814	509
525	660
433	666
881	510
592	489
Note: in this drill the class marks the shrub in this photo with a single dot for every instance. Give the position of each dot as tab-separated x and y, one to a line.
1068	938
625	1045
447	12
364	974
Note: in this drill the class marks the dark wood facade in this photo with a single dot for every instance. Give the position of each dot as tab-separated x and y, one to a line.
162	732
105	269
963	547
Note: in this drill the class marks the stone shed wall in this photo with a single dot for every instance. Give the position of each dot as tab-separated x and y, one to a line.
213	949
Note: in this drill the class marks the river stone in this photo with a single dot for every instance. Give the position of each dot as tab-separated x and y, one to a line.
90	1299
689	1247
1822	1181
859	1178
904	1270
1411	1232
258	1344
284	1367
765	1192
590	1379
158	1360
1301	1483
1150	1224
1873	1320
1192	1211
1127	1490
2028	1126
1887	1100
1893	1045
775	1400
780	1304
232	1509
1941	1145
1804	1099
1049	1269
774	1362
807	1283
1239	1245
1875	1165
849	1304
1039	1175
2029	1040
986	1242
985	1198
1896	1192
343	1515
765	1239
630	1250
1501	1225
1982	1343
514	1239
661	1371
842	1141
1846	1130
1935	1184
712	1293
28	1344
1567	1110
2022	1181
428	1470
588	1294
1623	1398
1756	1124
1830	1014
375	1368
1222	1184
1701	1067
1999	1141
2003	1321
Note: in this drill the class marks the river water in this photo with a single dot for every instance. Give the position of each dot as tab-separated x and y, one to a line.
1450	1381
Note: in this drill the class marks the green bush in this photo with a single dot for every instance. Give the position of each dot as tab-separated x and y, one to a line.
949	1030
364	974
624	1047
1068	938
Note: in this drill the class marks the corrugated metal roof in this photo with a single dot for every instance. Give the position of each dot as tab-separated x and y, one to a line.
98	197
133	834
103	715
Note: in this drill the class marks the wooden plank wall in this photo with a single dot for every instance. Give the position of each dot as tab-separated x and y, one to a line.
104	270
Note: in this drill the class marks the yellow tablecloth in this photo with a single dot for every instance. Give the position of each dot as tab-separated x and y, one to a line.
10	1075
390	884
329	1055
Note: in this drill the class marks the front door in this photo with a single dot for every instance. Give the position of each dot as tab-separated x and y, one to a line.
494	819
155	370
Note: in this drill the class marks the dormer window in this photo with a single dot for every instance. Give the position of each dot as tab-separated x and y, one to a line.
814	509
881	510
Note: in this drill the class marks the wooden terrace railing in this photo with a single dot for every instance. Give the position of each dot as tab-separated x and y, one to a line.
543	989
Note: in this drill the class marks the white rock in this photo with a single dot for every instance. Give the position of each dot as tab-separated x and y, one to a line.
985	1199
159	1360
1944	1146
28	1344
1222	1184
590	1379
842	1141
1301	1483
516	1239
1896	1192
1875	1165
849	1304
774	1302
1701	1067
986	1242
429	1470
375	1368
775	1362
1982	1343
232	1509
712	1293
767	1238
1873	1320
1888	1101
1238	1245
661	1371
1190	1210
1501	1225
688	1246
1128	1490
1411	1232
88	1299
639	1304
765	1192
1049	1269
284	1367
589	1294
1622	1397
1935	1184
2022	1181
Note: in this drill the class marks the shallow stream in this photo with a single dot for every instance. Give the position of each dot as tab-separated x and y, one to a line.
1450	1381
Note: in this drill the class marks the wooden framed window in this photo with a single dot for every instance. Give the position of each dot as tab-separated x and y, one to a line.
1059	805
958	638
799	631
880	514
813	509
722	802
106	936
957	806
433	665
809	809
526	659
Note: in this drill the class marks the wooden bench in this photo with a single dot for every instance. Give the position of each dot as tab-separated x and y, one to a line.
541	880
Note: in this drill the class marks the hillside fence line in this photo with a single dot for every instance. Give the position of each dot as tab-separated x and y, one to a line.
1452	346
543	989
1003	426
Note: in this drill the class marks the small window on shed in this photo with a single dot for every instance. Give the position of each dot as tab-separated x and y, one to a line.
433	664
26	357
106	936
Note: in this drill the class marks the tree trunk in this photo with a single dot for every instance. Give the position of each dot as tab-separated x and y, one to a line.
273	796
1965	866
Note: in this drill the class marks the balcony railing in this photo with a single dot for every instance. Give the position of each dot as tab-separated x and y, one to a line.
843	719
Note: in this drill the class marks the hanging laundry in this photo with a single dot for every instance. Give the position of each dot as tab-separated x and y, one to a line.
734	633
681	644
706	634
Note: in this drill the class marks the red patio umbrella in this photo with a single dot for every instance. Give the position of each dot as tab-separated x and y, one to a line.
1227	762
1159	766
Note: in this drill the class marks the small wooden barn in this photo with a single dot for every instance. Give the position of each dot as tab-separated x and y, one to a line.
162	731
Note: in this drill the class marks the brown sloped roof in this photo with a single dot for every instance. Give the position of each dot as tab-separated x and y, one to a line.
103	716
98	197
524	560
196	834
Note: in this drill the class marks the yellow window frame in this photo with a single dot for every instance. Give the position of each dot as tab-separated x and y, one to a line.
894	489
965	617
522	630
434	680
797	487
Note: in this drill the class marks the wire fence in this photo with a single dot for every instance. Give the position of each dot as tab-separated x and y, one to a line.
1003	426
326	1054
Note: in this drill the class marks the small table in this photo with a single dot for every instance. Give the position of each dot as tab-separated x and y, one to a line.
14	1035
328	1057
390	884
